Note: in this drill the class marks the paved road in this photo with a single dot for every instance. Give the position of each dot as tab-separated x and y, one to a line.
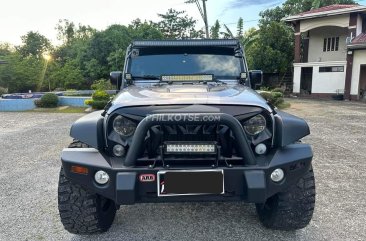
29	165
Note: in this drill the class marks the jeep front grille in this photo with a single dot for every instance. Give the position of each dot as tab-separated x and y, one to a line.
159	137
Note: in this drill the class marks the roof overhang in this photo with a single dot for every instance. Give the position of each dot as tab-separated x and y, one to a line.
356	46
325	13
186	43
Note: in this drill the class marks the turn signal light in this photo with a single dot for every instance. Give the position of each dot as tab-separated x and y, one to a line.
79	170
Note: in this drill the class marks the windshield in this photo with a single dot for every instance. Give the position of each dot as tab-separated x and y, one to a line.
221	63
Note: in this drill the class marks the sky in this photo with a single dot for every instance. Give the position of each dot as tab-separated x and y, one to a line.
21	16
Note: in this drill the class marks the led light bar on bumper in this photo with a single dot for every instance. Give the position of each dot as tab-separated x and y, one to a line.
193	148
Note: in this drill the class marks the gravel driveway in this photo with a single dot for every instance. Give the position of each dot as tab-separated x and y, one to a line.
29	165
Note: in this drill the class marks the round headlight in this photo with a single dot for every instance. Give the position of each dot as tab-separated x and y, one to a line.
255	125
124	126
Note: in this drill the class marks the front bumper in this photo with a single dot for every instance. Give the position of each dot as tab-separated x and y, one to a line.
250	183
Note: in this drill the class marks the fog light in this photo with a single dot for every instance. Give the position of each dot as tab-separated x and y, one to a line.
260	149
101	177
119	150
277	175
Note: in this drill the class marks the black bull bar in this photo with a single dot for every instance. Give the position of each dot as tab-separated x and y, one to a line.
182	118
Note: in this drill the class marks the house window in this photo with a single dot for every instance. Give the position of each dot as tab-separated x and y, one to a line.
331	44
331	69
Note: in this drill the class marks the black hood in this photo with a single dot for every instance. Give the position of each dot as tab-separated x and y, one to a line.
188	95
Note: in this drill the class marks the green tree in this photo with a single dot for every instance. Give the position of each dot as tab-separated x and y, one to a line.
249	38
227	34
68	32
178	25
144	30
215	30
65	30
272	52
21	74
98	58
75	41
240	27
68	76
5	49
34	45
85	55
106	50
102	84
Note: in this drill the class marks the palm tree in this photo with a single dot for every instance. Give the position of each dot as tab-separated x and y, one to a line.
227	34
249	37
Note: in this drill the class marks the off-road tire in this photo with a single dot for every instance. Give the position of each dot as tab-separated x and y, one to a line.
81	211
292	209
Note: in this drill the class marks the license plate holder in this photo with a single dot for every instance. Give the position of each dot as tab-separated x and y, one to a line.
190	182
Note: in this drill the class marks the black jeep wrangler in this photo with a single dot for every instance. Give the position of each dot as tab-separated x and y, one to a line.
186	126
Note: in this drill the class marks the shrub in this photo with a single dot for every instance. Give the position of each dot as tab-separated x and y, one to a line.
102	84
3	91
263	88
100	99
100	95
49	100
99	104
266	95
274	98
38	103
88	102
278	90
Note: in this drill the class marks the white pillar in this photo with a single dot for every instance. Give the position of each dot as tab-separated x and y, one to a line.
297	79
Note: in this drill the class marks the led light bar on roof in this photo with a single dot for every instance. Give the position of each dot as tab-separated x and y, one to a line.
182	148
167	43
177	78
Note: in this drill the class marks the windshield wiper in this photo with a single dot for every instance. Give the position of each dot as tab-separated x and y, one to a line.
146	77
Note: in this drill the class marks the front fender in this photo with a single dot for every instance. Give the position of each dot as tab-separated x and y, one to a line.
289	129
89	130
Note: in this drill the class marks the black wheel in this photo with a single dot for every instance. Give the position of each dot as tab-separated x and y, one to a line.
81	211
292	209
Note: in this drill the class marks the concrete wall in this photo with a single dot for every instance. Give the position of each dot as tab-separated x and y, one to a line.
339	21
28	104
316	42
73	101
328	82
16	104
322	82
359	58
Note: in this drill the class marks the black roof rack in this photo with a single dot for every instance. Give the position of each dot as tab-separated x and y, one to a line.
186	43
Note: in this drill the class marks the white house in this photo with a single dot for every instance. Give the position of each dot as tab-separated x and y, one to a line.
330	52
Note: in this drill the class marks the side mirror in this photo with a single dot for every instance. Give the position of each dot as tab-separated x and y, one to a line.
116	79
256	78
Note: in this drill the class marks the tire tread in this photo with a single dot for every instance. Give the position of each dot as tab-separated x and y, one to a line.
78	208
292	209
